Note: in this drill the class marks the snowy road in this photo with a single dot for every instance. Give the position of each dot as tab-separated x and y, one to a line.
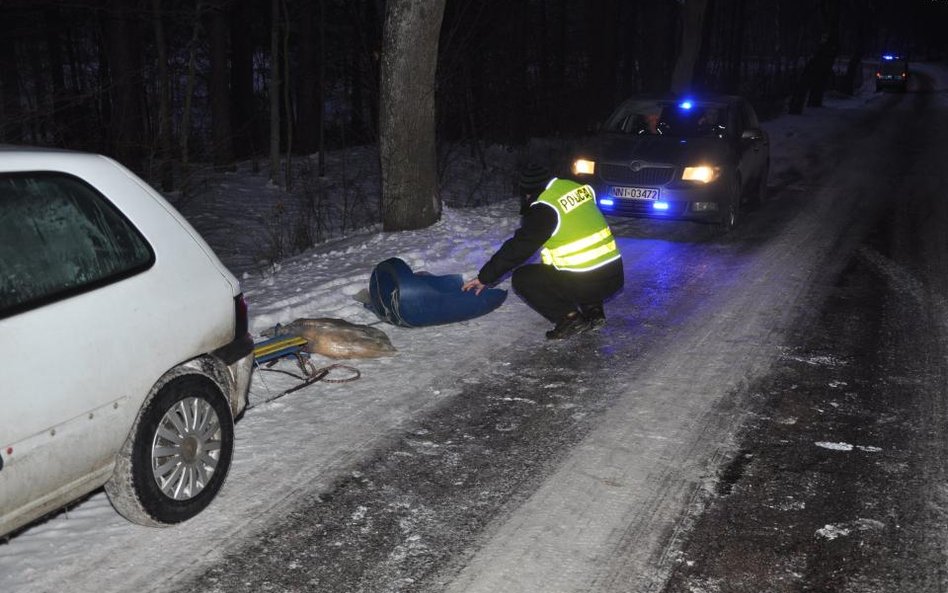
655	401
520	465
839	480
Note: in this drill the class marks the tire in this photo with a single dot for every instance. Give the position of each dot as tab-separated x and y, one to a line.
731	214
759	194
176	457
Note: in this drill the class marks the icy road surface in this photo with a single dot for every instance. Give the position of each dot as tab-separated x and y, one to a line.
482	457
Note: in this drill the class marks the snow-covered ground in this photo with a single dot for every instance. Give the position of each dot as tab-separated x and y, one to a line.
302	442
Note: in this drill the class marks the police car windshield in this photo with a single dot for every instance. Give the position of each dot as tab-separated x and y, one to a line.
677	120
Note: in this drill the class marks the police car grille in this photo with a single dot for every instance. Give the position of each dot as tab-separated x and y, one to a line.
624	175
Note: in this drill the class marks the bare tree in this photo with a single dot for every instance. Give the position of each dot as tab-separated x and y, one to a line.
218	87
287	100
816	73
692	27
244	116
164	99
274	91
407	150
125	92
654	46
185	131
309	105
11	129
603	37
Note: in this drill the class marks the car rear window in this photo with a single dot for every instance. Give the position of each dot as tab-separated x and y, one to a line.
60	237
893	67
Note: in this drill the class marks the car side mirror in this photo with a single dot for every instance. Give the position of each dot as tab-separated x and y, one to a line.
752	134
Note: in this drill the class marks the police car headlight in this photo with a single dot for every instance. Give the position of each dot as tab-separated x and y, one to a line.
702	174
584	167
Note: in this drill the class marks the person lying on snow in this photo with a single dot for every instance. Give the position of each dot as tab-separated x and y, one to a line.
581	268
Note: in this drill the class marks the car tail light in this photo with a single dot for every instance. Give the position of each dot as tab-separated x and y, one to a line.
241	323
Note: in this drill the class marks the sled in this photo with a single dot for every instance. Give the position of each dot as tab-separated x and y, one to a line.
271	350
274	348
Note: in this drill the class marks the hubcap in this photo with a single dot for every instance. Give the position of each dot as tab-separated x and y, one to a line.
186	448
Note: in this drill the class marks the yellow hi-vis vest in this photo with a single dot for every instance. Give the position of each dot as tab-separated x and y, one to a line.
582	240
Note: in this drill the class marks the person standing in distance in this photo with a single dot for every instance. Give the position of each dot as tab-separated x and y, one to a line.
581	268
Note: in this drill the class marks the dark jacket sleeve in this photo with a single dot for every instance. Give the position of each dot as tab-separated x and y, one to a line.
538	225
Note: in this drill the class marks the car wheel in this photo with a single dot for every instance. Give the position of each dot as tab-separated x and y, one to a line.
760	189
731	212
176	456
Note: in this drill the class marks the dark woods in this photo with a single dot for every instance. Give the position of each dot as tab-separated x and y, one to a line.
160	84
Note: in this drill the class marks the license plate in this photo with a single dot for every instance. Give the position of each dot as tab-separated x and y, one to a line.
636	193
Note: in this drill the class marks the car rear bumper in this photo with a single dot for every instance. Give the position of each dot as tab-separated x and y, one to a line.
238	358
891	81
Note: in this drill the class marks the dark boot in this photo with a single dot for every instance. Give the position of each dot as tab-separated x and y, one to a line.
572	323
594	314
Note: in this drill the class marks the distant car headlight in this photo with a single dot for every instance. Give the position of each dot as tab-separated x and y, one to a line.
584	167
704	174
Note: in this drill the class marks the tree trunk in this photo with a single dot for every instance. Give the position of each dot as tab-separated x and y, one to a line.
407	151
61	120
309	103
853	80
287	101
243	116
274	91
823	72
603	56
363	65
219	91
184	135
654	44
692	29
11	127
521	86
699	77
39	119
125	69
735	54
810	87
164	101
322	88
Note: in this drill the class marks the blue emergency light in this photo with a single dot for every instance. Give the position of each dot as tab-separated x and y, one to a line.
686	105
660	206
606	202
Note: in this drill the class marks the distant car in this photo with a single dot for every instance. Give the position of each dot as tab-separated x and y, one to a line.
892	73
680	158
124	344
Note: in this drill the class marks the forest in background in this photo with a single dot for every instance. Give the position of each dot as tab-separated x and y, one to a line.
164	85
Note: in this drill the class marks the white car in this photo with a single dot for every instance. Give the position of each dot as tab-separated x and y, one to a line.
124	350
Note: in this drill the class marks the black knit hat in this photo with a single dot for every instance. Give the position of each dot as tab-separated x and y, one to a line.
533	177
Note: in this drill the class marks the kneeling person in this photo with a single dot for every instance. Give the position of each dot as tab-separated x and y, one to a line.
581	265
